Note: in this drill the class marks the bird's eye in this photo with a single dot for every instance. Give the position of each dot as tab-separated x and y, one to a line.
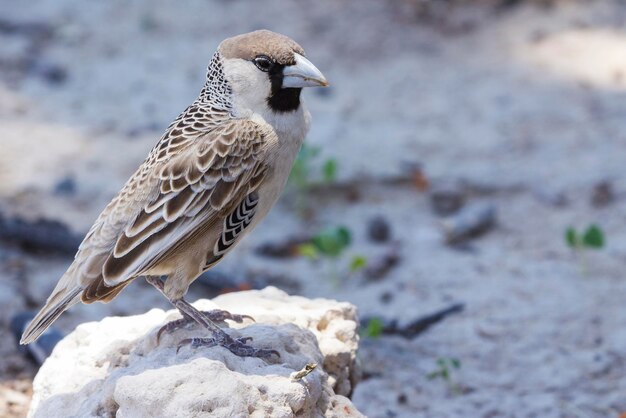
263	63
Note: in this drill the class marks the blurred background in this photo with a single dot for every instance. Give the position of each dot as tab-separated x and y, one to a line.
463	184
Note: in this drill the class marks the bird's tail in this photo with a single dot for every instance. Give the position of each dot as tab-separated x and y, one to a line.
61	299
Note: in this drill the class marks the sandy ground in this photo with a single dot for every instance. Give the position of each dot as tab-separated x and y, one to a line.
526	105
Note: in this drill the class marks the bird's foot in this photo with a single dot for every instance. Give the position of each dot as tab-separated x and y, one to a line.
216	315
237	346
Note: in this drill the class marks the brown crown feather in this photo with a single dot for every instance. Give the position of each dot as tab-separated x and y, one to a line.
261	42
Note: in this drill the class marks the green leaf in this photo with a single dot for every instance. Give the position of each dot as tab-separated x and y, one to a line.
297	175
307	152
327	245
329	170
357	263
456	363
309	251
433	375
310	151
343	236
374	328
571	237
593	237
332	241
444	366
302	166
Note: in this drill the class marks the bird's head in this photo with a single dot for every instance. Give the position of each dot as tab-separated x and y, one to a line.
267	71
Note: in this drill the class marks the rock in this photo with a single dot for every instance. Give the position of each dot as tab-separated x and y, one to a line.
551	197
46	235
386	297
382	263
52	73
378	229
602	194
286	248
115	368
447	197
65	187
471	222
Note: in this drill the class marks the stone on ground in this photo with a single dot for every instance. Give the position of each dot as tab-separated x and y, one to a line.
115	367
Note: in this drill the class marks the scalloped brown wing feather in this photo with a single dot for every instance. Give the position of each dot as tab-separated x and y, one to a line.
193	192
189	192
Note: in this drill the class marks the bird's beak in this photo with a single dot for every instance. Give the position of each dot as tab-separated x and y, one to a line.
303	74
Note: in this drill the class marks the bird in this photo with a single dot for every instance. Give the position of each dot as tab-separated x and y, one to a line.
215	173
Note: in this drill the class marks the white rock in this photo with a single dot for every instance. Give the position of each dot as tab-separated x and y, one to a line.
115	367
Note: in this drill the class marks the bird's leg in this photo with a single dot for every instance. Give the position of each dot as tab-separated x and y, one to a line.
218	336
216	315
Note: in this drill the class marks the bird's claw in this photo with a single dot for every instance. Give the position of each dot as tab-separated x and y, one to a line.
216	315
236	346
196	342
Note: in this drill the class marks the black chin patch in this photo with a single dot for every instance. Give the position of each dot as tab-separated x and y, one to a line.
282	100
285	100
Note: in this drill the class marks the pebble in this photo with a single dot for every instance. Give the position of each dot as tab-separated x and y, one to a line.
65	187
549	197
379	266
473	221
52	73
386	297
378	229
447	198
602	194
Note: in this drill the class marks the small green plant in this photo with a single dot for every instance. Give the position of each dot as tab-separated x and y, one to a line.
330	244
329	170
445	371
357	263
301	170
304	176
374	328
591	238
